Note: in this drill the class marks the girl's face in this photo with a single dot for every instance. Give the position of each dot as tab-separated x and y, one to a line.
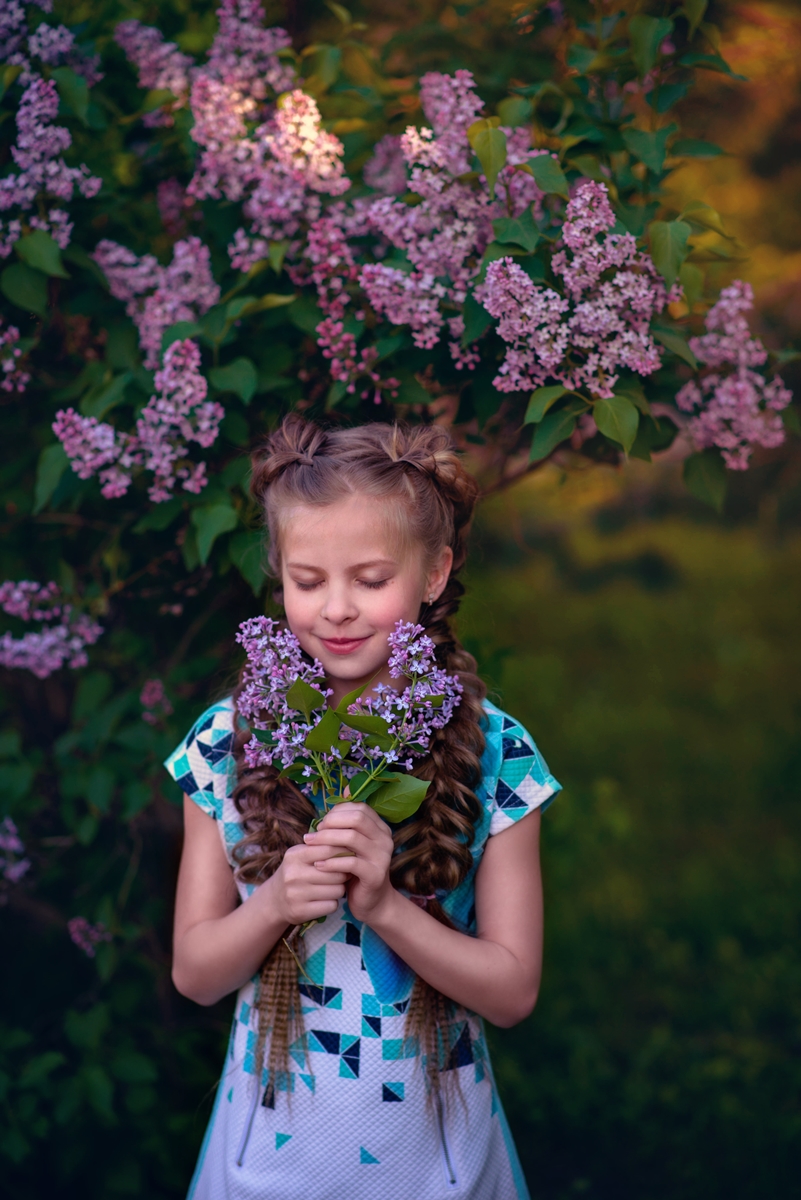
346	586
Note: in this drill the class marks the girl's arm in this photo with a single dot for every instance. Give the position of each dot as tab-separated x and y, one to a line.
219	943
496	973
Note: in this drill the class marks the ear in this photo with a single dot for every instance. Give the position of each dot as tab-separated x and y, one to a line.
439	573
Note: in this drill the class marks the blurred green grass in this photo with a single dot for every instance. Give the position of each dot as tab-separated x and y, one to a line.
656	662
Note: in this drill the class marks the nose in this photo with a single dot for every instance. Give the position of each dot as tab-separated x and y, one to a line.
339	606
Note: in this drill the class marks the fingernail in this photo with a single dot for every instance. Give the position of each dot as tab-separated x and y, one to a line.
308	836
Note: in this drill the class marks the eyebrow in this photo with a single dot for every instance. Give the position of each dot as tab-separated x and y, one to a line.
376	562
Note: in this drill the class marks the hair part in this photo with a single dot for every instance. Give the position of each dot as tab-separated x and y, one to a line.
303	464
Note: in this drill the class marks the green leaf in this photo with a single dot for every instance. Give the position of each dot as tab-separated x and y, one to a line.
243	306
304	698
705	478
325	733
514	111
399	798
293	771
705	217
646	35
695	148
541	400
552	430
652	435
694	12
650	148
790	419
265	736
73	90
711	62
178	333
490	148
53	462
101	399
245	549
340	12
26	288
677	345
548	175
366	723
361	787
160	516
617	418
39	250
520	230
352	697
668	241
276	254
210	521
476	320
582	58
239	377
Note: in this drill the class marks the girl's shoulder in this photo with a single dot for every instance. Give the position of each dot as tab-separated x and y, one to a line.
203	763
515	778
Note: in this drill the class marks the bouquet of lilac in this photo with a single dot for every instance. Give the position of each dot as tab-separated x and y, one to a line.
351	751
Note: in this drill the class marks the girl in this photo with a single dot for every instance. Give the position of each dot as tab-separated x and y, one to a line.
365	1076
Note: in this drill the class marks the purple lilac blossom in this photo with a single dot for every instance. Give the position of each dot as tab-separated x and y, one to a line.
12	866
87	936
444	236
154	701
62	639
385	171
735	406
12	379
181	291
178	413
599	327
43	174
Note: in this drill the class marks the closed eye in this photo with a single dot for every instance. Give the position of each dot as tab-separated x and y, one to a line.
307	587
379	583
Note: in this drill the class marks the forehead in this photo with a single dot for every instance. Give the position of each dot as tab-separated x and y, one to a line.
356	529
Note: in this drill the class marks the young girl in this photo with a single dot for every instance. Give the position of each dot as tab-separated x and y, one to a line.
366	1076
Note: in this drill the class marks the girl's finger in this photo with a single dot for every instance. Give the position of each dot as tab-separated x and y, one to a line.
329	866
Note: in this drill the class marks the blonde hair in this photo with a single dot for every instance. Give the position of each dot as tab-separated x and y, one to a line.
301	463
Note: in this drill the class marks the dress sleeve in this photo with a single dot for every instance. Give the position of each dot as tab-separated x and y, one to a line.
524	781
203	764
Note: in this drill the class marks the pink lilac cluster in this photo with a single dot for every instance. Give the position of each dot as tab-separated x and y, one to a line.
43	174
155	702
274	662
161	66
735	406
444	236
385	171
599	326
173	204
427	704
328	263
12	379
86	936
156	296
178	413
295	162
13	864
51	44
62	639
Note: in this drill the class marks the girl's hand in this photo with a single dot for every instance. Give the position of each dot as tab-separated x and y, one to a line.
300	891
367	842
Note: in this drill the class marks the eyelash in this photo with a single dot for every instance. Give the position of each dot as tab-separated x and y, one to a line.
309	587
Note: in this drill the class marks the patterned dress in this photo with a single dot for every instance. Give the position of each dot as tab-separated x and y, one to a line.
350	1121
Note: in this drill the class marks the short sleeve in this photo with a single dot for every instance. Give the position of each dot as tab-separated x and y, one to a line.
203	764
523	782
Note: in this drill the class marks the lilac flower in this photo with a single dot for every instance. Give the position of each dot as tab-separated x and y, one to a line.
161	66
12	378
42	174
385	171
182	291
445	235
176	414
600	327
12	867
87	936
61	641
154	701
735	406
172	205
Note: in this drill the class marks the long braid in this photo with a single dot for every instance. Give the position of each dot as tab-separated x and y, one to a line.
300	463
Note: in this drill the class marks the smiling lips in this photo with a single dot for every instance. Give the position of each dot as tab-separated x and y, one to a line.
343	645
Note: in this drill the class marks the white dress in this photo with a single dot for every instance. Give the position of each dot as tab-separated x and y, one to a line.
350	1120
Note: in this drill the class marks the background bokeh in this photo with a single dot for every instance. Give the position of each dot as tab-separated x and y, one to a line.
650	646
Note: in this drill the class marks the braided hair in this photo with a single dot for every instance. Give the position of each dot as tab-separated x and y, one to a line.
419	469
